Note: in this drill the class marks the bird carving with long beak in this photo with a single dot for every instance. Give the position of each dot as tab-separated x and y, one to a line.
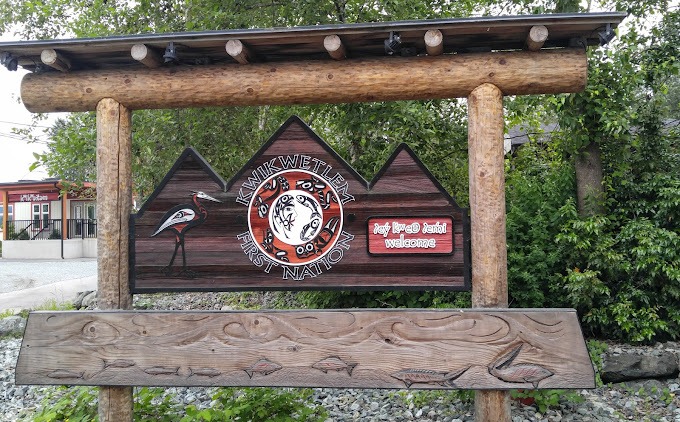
179	220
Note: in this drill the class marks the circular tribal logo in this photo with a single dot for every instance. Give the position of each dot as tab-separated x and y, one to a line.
295	217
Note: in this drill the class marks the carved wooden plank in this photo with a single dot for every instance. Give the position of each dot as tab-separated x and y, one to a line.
460	348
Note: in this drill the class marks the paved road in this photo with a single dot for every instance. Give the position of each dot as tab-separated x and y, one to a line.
30	283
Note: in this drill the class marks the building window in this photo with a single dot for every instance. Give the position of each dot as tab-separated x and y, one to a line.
10	208
36	216
41	215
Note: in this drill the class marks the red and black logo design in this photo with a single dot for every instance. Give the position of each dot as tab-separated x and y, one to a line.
295	217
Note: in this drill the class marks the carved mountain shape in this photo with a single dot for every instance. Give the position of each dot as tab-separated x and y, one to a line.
298	217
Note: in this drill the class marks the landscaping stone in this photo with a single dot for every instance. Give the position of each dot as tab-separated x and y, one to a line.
12	325
633	366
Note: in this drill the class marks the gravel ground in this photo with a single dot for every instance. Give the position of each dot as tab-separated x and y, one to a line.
16	274
651	400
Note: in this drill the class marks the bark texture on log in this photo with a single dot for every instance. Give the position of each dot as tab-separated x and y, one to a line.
423	349
310	82
114	197
487	220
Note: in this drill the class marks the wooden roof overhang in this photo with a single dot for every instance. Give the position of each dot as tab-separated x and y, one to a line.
271	66
39	186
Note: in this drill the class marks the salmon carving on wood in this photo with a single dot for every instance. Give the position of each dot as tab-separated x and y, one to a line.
419	349
298	217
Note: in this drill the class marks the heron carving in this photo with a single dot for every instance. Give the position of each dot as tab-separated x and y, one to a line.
179	220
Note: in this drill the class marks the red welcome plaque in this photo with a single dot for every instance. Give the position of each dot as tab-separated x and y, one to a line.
410	235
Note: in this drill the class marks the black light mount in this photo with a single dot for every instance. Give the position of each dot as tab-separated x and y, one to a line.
9	61
393	43
170	55
607	35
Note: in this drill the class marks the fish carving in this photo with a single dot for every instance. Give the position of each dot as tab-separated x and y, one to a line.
162	370
64	374
503	369
205	372
264	367
118	363
428	376
334	363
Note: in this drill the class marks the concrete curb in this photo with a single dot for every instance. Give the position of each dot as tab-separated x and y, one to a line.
61	291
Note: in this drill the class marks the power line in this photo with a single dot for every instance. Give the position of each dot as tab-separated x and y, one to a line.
25	124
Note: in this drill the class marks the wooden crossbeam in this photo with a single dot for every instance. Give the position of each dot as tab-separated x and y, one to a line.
336	49
309	82
56	60
424	349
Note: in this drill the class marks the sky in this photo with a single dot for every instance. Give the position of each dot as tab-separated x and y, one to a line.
16	154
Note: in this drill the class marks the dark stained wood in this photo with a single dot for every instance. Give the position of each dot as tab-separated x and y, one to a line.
459	348
310	82
221	255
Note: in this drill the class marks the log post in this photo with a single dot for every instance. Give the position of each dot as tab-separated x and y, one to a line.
114	197
487	220
5	211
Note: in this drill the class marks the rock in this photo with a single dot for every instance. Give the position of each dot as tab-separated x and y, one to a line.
12	325
78	302
629	366
90	300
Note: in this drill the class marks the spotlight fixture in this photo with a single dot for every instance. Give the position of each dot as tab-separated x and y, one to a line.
9	61
170	55
393	43
607	35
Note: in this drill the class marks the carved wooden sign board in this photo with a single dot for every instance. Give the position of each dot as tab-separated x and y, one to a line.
298	217
423	349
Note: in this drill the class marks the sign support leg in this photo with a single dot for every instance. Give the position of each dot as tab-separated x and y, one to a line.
487	219
114	196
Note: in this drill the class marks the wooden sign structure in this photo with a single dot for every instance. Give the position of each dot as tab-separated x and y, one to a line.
298	217
476	58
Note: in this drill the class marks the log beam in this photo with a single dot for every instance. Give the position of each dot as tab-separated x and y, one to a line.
55	60
487	222
114	199
537	37
434	42
310	82
238	51
146	56
336	49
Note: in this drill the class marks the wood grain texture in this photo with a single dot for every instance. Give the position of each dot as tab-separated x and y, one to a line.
537	37
220	258
487	197
238	51
309	82
460	348
145	55
336	49
487	221
434	42
114	197
55	60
